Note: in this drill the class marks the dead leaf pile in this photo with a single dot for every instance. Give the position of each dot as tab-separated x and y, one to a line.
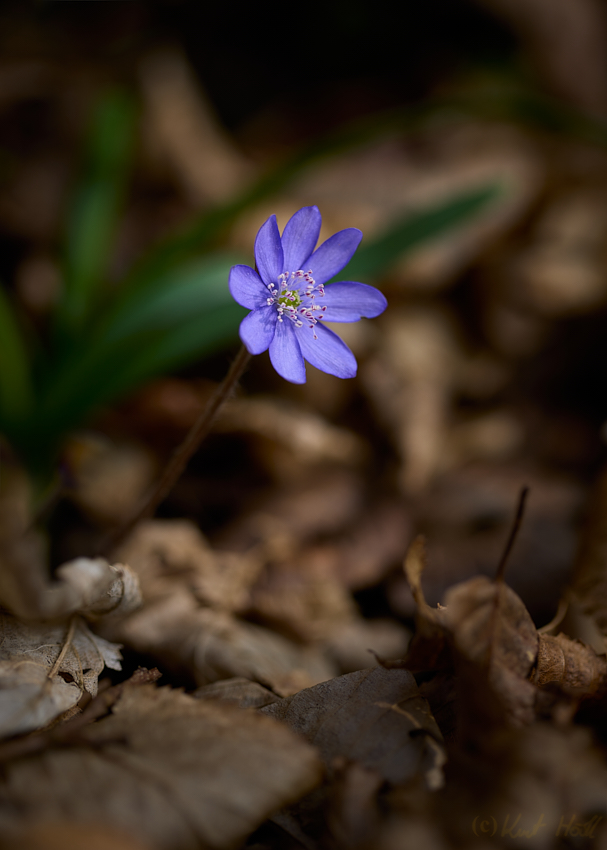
49	657
165	768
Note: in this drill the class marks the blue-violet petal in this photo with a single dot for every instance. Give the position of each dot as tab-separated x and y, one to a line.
257	329
328	353
285	353
299	238
268	251
348	301
246	287
334	254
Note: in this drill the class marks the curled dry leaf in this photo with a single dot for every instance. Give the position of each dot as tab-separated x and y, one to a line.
376	717
571	666
169	554
174	771
48	656
485	635
213	645
428	649
496	645
45	669
89	586
190	592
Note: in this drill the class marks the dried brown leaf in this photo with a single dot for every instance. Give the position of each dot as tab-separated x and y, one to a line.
238	691
353	817
168	555
172	771
88	586
375	717
190	592
570	666
302	599
428	649
496	647
213	645
45	670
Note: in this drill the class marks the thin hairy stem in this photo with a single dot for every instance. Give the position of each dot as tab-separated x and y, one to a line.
182	454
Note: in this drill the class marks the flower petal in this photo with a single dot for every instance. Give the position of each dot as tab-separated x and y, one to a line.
258	328
268	251
328	353
334	254
285	353
300	236
246	287
347	301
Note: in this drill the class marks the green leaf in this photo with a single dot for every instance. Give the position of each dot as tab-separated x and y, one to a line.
192	290
95	208
188	314
174	347
16	395
414	229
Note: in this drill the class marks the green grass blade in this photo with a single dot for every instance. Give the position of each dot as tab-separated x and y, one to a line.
175	347
95	208
189	314
414	229
187	292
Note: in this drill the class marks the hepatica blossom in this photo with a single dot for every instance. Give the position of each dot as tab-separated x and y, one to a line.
290	301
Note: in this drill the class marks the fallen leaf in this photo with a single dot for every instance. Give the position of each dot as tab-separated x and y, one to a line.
213	645
376	717
45	670
571	666
238	691
167	555
172	771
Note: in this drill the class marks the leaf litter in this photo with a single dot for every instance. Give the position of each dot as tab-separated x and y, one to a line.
484	729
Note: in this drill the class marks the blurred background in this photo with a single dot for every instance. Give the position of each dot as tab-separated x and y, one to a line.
141	147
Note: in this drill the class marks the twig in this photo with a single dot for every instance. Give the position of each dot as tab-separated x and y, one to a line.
499	577
183	453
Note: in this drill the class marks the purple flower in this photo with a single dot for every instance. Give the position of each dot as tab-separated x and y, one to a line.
289	301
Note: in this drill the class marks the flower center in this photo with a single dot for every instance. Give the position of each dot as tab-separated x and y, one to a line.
289	298
295	298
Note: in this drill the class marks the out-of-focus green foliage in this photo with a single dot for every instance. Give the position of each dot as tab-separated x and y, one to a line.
173	308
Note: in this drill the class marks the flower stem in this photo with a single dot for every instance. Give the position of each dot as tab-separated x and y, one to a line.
182	454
